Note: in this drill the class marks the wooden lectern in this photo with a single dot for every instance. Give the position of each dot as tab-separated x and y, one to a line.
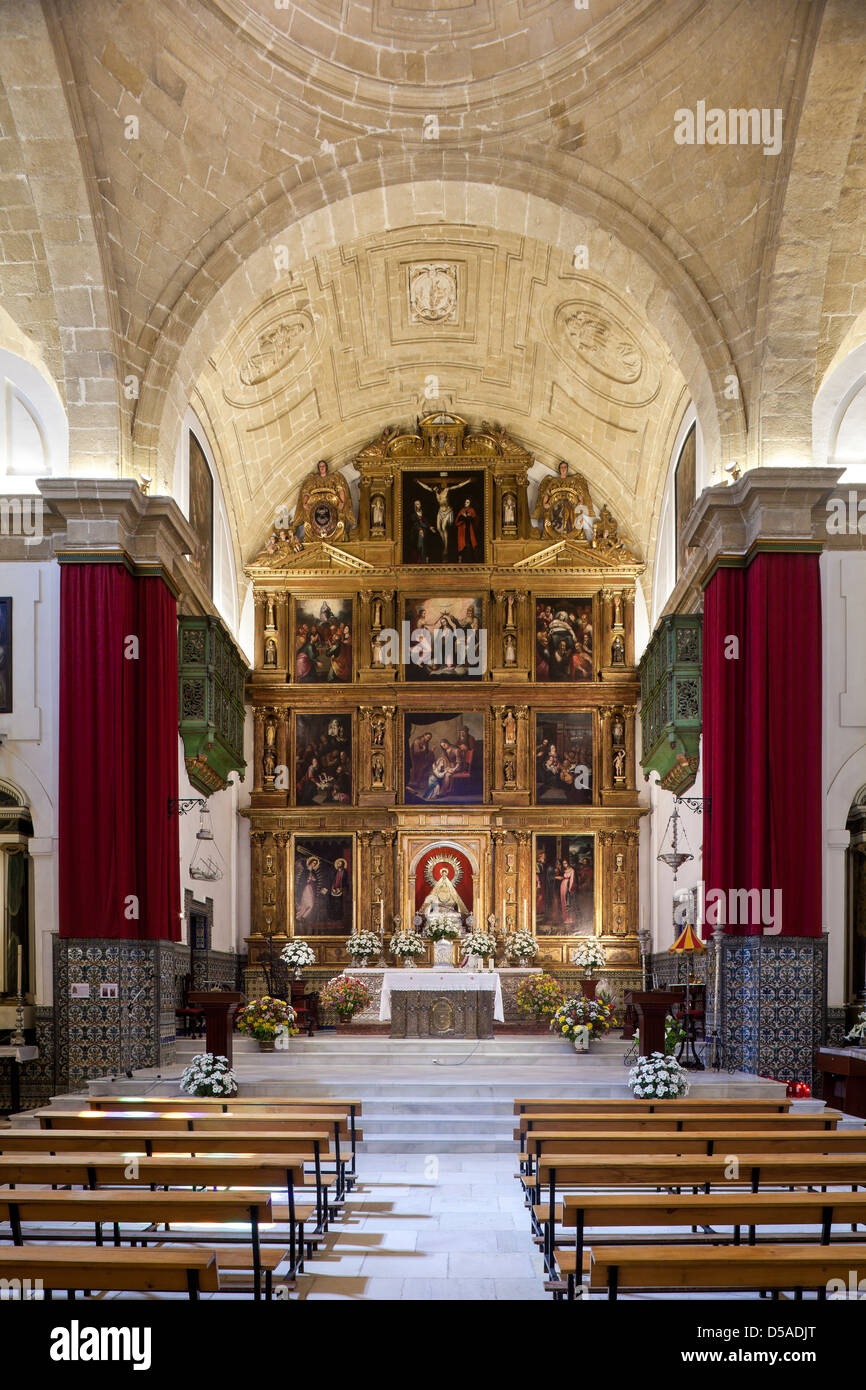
651	1009
217	1005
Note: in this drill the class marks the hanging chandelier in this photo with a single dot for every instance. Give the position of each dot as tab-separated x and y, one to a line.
206	862
674	857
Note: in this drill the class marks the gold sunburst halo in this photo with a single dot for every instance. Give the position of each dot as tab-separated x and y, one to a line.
451	860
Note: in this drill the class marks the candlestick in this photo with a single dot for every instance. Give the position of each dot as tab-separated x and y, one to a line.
18	990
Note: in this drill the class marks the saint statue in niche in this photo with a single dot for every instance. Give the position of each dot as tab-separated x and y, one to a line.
619	765
378	766
510	729
270	652
377	514
377	730
618	731
510	649
509	512
617	651
270	615
617	610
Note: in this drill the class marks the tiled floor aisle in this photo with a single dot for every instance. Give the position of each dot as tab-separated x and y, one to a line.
440	1228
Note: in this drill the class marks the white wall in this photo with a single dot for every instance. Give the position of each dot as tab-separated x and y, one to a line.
28	754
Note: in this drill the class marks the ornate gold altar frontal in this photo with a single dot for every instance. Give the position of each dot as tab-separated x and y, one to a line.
367	761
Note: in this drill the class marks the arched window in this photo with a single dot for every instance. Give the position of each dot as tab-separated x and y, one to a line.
16	829
33	426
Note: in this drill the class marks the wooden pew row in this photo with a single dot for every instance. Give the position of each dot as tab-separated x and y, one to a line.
305	1145
583	1213
684	1105
677	1124
191	1271
734	1141
563	1171
96	1120
154	1209
743	1269
93	1171
205	1105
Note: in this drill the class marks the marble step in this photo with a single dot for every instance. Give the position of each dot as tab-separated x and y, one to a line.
437	1143
495	1126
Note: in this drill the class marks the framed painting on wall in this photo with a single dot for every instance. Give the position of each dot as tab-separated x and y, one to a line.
563	639
443	517
323	759
5	656
323	640
563	758
323	877
564	885
447	638
201	513
443	758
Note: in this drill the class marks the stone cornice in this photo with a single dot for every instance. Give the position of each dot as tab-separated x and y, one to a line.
100	519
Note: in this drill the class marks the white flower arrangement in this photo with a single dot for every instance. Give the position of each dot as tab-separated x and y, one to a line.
442	929
208	1075
364	944
479	943
658	1078
858	1032
521	945
589	955
298	954
408	944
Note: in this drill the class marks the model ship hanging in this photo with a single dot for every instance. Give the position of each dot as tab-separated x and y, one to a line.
444	494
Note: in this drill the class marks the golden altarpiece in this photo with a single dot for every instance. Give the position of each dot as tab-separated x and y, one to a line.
444	687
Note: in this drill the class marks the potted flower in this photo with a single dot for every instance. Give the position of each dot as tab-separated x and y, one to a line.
365	947
298	954
521	948
208	1075
407	946
857	1034
589	956
480	944
541	996
264	1018
441	931
658	1078
580	1012
674	1034
346	995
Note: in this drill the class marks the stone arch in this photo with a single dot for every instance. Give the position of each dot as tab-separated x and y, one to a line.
317	204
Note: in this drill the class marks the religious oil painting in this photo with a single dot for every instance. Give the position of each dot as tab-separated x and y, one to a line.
563	758
563	639
5	656
443	517
323	759
323	641
564	885
444	758
444	638
323	877
201	513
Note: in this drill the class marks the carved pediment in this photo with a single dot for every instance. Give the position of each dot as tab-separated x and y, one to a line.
442	435
580	555
288	557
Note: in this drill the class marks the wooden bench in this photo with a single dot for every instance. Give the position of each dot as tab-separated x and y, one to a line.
677	1124
733	1141
338	1123
206	1105
313	1144
684	1105
758	1171
151	1208
192	1271
585	1212
774	1268
93	1171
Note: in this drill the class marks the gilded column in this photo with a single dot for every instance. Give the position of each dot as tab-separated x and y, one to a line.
281	858
259	716
525	878
257	840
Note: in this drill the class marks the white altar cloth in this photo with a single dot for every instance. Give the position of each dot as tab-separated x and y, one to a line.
487	981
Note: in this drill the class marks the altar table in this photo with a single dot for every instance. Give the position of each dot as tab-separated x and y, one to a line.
441	982
510	977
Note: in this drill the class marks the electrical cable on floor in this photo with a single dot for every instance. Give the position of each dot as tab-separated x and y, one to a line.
463	1060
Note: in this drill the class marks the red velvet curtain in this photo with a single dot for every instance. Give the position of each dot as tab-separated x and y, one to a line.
118	850
762	738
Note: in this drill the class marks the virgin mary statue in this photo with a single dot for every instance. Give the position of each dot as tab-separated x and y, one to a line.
443	900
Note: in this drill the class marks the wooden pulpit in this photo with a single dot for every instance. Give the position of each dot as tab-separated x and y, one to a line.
651	1008
217	1005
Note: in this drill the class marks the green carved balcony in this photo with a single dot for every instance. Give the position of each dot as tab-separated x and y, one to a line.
211	679
671	704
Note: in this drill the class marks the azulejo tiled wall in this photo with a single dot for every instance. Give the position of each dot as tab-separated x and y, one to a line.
103	1037
774	992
